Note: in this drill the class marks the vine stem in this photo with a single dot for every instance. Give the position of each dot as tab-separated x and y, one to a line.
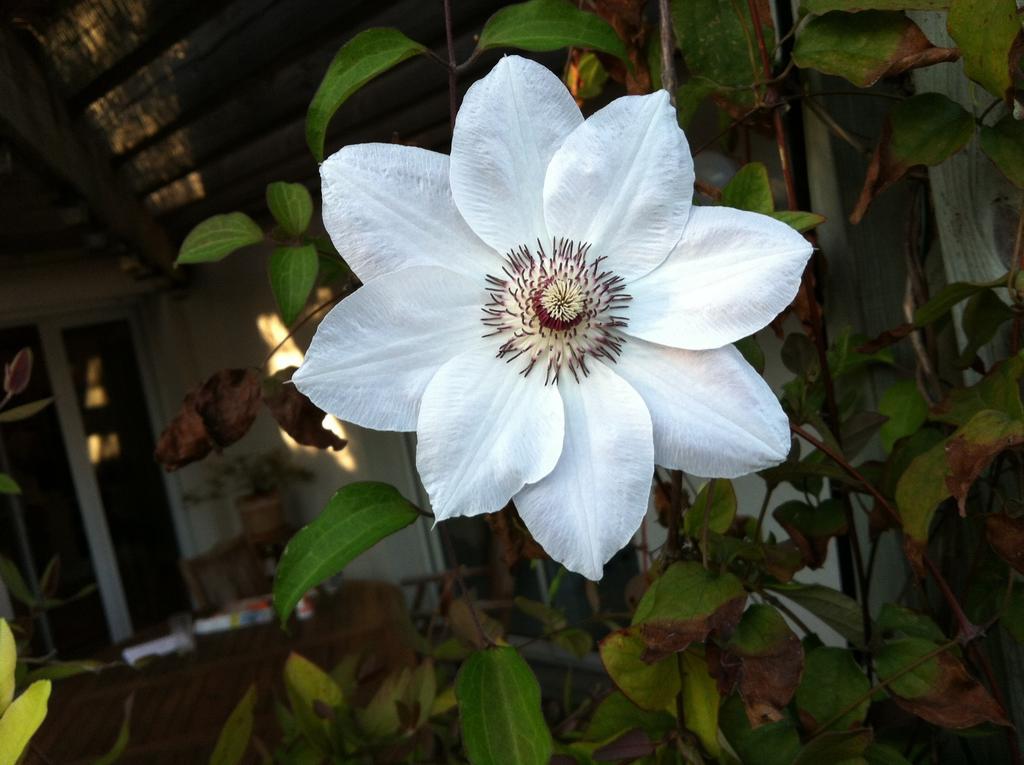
302	322
704	524
453	75
1018	265
881	685
674	514
967	631
668	68
815	319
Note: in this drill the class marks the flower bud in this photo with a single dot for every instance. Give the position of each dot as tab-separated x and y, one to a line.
17	372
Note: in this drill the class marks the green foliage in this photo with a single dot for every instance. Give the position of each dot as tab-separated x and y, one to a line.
8	485
832	683
838	611
291	205
217	237
24	411
20	721
616	714
8	659
903	663
117	749
293	273
906	410
850	6
717	41
234	736
863	47
774	743
499	706
1004	145
591	76
985	31
543	25
701	699
927	129
649	685
686	600
356	518
750	190
366	56
308	687
723	509
983	315
835	746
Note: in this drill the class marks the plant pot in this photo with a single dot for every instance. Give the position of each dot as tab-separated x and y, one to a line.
261	514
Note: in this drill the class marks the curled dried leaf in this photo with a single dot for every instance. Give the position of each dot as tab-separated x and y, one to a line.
299	417
228	403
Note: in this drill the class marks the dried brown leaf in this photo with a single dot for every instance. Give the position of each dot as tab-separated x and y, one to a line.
228	402
299	417
1006	535
185	439
956	700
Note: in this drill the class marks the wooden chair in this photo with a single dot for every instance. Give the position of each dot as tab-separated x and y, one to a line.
228	572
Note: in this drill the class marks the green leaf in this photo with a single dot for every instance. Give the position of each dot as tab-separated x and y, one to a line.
844	747
723	509
840	612
543	25
8	485
700	700
811	528
293	273
883	754
832	681
499	707
770	744
689	96
217	237
906	409
985	31
852	6
16	413
801	221
379	719
8	663
367	55
999	390
894	619
59	670
1004	145
983	315
616	715
863	48
932	477
291	205
719	44
750	190
895	656
16	586
21	720
307	687
592	76
684	605
234	736
575	640
649	685
113	754
752	352
356	518
925	129
943	303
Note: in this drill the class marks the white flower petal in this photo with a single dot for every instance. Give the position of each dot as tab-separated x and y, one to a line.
623	182
484	431
594	500
374	353
388	207
509	126
713	415
729	276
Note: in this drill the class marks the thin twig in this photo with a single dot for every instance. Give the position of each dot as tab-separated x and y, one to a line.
704	524
302	322
1018	266
668	65
674	515
453	77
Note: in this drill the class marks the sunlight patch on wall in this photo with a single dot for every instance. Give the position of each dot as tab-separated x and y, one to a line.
95	394
177	194
273	332
103	447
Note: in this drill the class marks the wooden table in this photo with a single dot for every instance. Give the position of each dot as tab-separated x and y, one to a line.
181	702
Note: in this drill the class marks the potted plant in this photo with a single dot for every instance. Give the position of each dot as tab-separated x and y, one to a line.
255	481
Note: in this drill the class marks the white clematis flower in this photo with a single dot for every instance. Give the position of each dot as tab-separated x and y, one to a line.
549	313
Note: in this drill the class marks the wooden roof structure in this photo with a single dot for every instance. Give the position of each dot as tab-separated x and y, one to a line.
123	123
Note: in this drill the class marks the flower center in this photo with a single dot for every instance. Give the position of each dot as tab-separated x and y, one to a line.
556	309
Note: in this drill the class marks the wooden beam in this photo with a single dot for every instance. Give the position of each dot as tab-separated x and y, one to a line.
188	16
36	120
